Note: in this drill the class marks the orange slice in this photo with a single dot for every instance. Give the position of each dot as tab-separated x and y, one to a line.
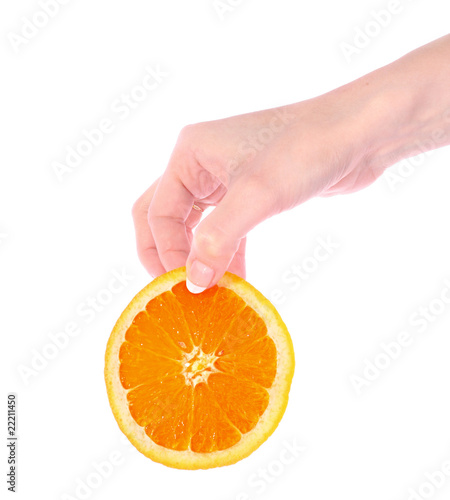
198	381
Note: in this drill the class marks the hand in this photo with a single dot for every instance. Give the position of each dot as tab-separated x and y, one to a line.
256	165
249	167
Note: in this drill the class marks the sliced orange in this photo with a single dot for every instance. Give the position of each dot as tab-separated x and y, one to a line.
198	381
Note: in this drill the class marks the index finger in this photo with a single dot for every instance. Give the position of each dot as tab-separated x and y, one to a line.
145	243
168	211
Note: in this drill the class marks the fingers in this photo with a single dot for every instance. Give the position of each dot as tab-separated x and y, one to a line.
164	218
237	265
168	212
194	218
145	243
218	237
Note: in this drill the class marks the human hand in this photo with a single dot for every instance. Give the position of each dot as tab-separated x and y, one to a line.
249	167
256	165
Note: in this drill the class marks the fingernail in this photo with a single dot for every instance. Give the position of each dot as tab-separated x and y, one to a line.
194	288
200	276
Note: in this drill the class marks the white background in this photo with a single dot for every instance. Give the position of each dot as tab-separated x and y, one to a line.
60	242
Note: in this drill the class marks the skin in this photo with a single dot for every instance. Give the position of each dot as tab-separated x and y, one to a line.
253	166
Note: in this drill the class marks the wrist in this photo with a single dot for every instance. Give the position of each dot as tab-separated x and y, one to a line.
398	123
402	109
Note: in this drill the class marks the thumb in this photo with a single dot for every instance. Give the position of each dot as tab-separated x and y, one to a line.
218	236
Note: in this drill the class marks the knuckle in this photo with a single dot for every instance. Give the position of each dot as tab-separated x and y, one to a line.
263	192
138	208
214	242
192	137
187	133
208	243
152	218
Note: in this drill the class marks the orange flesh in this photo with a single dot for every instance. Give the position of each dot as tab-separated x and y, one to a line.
197	369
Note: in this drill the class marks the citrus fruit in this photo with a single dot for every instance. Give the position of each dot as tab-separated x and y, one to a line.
198	381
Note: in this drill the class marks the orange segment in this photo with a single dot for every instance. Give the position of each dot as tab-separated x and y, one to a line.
247	327
211	429
198	381
255	361
196	308
139	366
167	313
226	306
164	408
242	401
144	332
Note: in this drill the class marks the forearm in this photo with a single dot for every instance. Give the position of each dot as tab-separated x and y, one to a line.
402	109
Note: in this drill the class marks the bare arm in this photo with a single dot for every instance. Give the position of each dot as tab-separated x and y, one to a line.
253	166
